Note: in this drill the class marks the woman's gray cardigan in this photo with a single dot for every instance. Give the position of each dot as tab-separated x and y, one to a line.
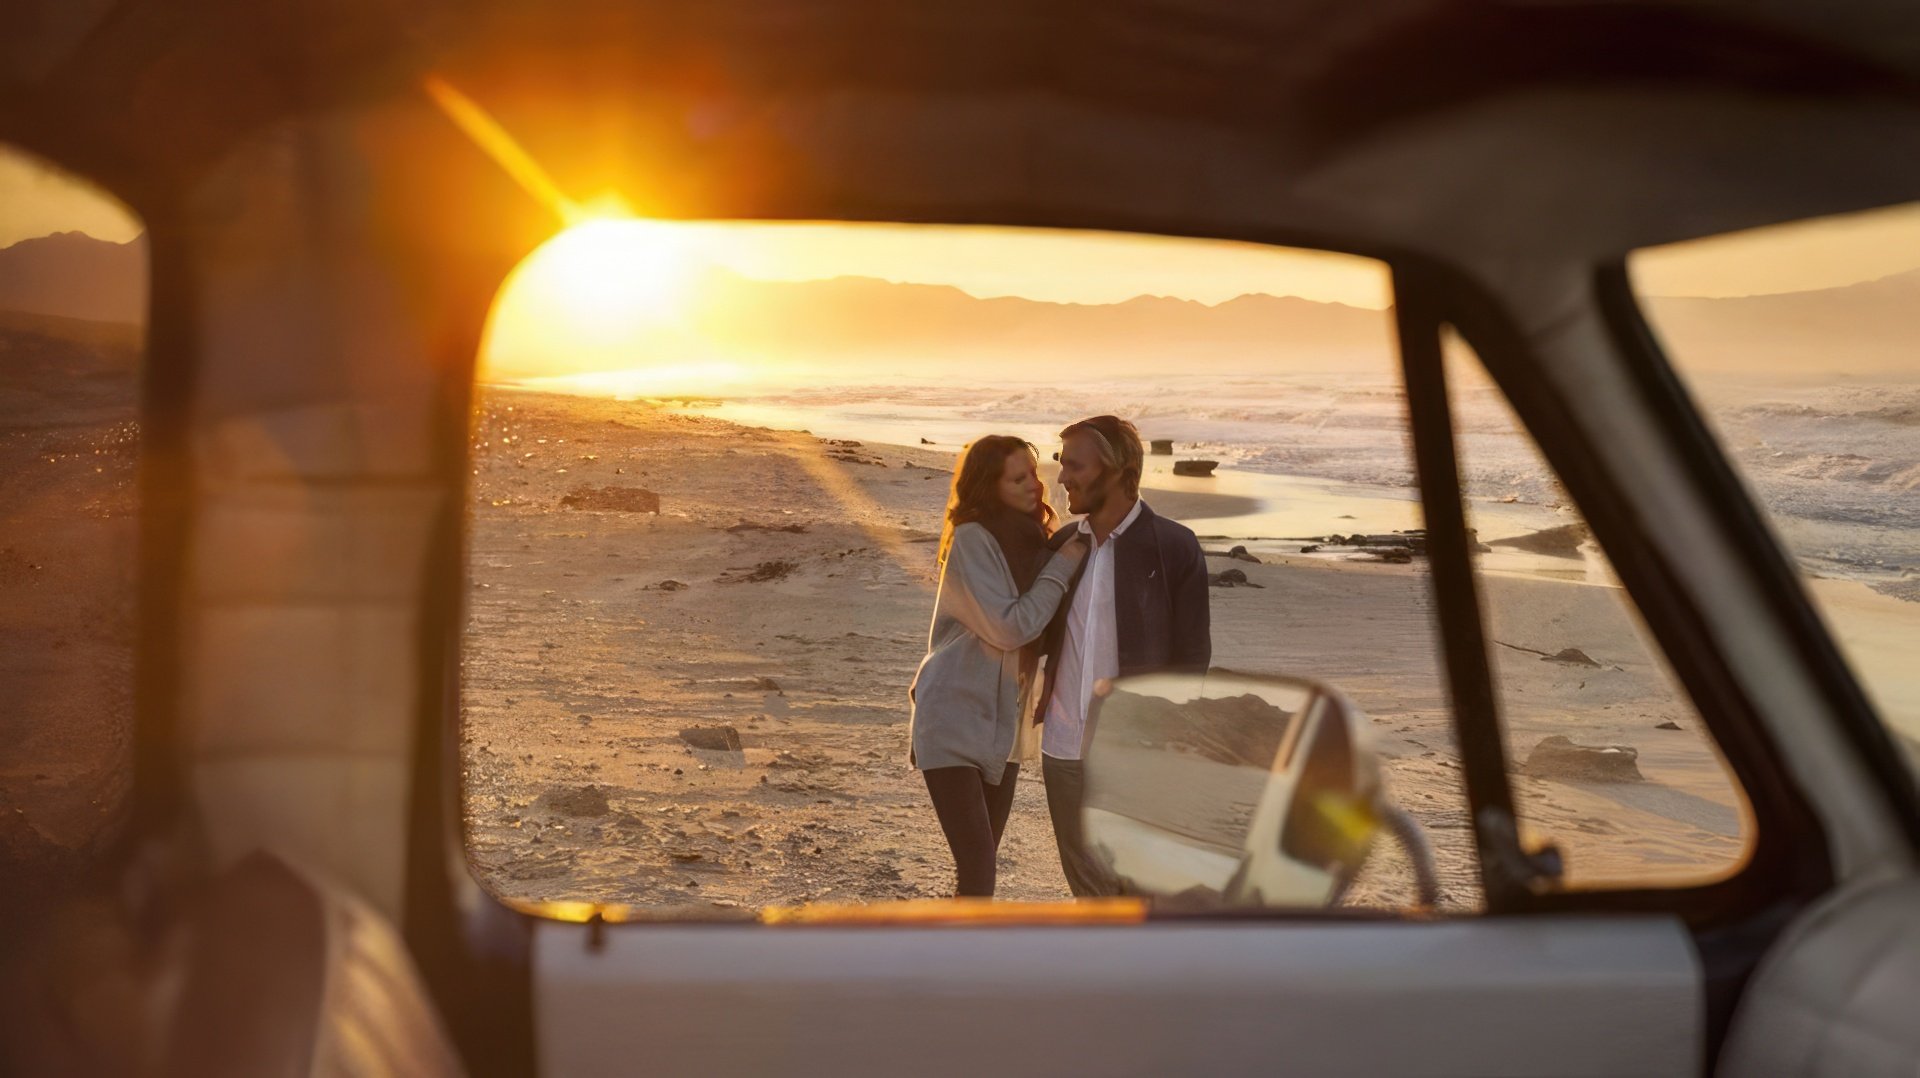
966	694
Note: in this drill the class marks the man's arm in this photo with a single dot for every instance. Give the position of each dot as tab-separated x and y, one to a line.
1192	617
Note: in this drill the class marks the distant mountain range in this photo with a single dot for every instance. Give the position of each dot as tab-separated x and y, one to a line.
73	275
862	322
867	326
1866	329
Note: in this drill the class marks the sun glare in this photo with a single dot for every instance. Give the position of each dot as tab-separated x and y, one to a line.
615	272
610	294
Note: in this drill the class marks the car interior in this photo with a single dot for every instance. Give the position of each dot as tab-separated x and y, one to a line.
311	850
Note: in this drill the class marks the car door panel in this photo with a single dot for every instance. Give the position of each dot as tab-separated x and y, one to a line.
1533	996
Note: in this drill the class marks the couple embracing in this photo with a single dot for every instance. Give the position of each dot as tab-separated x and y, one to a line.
1033	620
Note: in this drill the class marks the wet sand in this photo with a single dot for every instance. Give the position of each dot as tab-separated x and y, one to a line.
778	600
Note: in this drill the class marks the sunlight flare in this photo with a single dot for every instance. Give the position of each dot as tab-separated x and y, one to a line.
609	300
493	140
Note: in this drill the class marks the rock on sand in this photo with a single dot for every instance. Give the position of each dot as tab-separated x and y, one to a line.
1558	757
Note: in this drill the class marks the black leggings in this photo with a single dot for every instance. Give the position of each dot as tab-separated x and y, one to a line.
973	813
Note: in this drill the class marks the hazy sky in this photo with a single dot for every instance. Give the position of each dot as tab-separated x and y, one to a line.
1065	267
1822	253
1107	267
36	201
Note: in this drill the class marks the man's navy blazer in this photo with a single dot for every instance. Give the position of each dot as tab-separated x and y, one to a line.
1160	596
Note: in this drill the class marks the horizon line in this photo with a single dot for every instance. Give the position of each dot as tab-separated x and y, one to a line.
971	294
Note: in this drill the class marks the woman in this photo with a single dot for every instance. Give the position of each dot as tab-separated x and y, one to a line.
999	587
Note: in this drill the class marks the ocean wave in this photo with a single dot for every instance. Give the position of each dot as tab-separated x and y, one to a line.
1836	466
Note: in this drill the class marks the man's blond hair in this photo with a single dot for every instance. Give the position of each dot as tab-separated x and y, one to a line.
1119	446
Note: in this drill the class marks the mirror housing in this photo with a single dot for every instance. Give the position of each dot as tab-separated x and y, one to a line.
1227	789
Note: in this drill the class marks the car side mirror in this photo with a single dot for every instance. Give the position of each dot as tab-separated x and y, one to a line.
1231	789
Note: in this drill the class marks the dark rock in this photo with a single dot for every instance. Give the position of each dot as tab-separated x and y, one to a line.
1310	548
761	573
750	526
1202	468
671	585
767	684
844	443
1571	657
1231	578
712	738
1239	553
1398	555
1162	447
1558	757
1668	726
926	441
1560	542
612	500
1415	540
587	801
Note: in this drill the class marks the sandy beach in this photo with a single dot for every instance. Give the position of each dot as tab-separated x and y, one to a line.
68	525
689	643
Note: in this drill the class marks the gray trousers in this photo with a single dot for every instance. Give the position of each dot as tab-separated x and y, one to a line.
1066	784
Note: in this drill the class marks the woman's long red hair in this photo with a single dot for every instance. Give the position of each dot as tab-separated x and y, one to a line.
976	479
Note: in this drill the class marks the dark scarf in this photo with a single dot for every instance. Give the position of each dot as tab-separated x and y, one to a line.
1023	541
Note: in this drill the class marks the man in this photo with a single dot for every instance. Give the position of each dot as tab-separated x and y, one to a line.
1139	604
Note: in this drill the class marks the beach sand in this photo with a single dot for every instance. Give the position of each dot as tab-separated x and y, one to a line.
68	527
780	596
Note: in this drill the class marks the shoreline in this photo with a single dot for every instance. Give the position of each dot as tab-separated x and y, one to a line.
1281	501
1269	512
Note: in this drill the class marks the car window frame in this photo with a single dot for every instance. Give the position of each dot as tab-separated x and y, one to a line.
1786	867
476	948
1430	297
1635	335
1787	861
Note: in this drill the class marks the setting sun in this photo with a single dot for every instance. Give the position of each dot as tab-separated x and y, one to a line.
613	272
607	295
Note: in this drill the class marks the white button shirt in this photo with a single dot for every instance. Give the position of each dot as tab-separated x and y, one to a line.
1091	650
